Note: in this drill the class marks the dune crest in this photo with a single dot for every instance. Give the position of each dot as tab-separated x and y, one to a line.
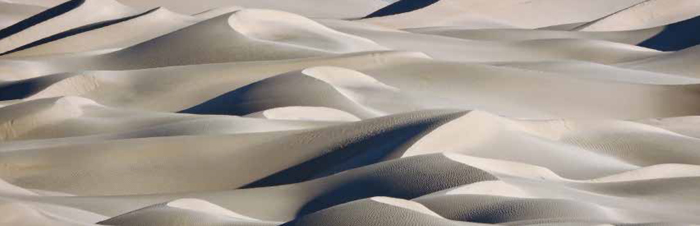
69	15
291	29
303	113
645	15
183	212
106	35
337	112
37	114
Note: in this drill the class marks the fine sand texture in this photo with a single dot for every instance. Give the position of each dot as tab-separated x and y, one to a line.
362	112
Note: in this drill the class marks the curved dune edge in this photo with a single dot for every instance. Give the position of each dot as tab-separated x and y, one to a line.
106	35
541	195
560	12
204	206
69	15
77	114
14	12
647	14
304	113
296	30
406	204
331	87
363	112
183	211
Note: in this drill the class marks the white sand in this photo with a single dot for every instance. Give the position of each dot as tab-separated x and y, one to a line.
11	13
73	16
267	112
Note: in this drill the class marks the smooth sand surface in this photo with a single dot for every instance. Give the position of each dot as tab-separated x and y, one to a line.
367	112
11	13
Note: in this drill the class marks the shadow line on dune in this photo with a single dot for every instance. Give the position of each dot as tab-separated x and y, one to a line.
25	88
285	90
402	6
393	143
40	18
405	178
677	36
76	31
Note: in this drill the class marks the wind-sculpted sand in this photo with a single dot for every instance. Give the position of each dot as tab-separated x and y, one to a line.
368	112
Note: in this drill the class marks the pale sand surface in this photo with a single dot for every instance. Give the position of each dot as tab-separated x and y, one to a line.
367	112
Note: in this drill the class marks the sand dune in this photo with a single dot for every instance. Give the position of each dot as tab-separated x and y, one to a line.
403	71
628	37
78	115
374	211
676	36
114	34
453	49
184	212
523	14
675	63
66	16
41	3
312	8
342	89
416	175
11	13
645	15
578	145
228	38
24	213
595	71
211	80
555	192
302	113
367	112
347	151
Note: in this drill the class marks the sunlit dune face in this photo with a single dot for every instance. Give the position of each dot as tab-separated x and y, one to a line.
344	113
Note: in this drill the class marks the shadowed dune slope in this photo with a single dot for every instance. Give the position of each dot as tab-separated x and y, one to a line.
362	112
401	7
69	15
11	13
372	212
106	34
343	149
676	36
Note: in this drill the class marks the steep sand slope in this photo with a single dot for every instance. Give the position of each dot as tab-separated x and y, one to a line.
311	8
564	147
244	35
182	90
453	49
647	14
523	14
343	148
630	37
112	34
613	199
66	16
404	178
678	63
305	113
587	70
332	87
74	117
459	85
375	211
41	3
367	112
28	213
184	212
11	13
